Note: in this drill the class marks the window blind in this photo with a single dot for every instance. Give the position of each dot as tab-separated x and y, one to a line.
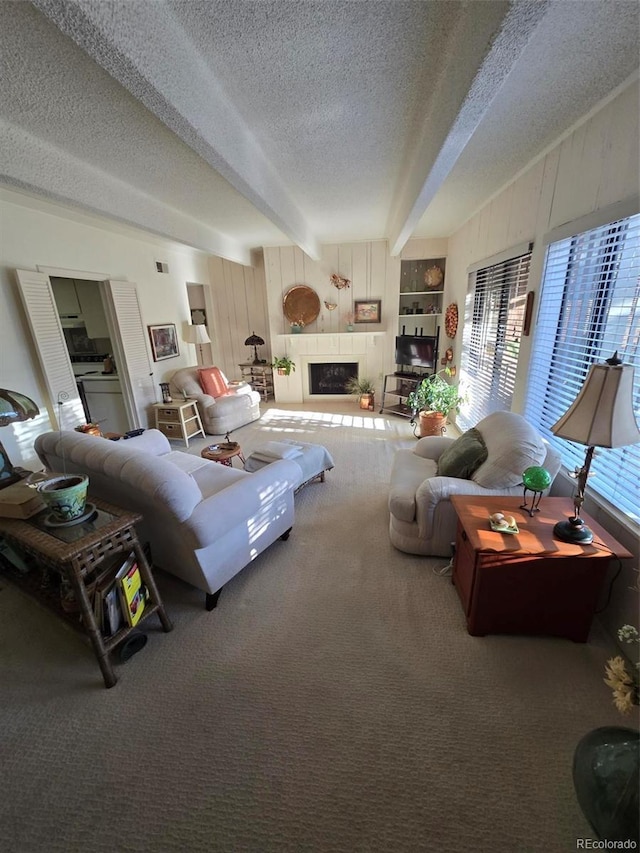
494	317
589	308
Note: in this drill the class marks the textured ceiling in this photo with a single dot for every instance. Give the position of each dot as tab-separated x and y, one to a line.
231	124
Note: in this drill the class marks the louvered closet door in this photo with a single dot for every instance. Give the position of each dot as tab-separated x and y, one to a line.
42	315
131	348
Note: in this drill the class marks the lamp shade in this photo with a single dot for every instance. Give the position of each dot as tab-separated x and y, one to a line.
254	341
197	334
602	413
16	407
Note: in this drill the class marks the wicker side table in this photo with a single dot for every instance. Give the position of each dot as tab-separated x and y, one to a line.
92	543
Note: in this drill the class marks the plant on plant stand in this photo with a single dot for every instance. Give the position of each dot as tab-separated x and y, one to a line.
364	389
432	401
283	365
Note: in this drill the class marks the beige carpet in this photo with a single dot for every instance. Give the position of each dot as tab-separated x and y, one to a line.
332	702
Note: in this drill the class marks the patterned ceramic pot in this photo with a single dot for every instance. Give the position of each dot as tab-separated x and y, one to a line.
66	496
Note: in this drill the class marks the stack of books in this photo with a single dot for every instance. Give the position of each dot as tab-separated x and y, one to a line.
120	601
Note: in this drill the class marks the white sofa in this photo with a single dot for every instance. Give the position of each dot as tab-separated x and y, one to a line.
204	521
239	405
422	518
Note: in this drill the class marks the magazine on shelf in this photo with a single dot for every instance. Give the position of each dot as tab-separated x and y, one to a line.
131	590
112	612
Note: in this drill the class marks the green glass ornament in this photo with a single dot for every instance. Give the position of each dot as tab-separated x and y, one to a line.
536	480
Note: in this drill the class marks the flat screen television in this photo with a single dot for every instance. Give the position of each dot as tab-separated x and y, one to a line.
416	351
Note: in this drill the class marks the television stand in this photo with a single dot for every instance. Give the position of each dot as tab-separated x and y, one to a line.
396	389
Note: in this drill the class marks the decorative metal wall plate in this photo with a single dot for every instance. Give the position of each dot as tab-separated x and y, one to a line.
451	320
301	305
433	278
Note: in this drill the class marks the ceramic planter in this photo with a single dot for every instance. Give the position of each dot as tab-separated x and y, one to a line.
432	423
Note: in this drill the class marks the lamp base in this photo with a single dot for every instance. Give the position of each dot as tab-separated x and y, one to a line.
573	530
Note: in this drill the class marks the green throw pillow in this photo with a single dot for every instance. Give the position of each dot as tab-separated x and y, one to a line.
463	457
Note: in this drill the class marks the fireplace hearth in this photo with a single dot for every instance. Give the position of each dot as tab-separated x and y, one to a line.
331	377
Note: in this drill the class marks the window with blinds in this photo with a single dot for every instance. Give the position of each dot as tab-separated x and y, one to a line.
494	317
589	308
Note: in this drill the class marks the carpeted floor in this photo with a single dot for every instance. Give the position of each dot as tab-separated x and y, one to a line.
332	702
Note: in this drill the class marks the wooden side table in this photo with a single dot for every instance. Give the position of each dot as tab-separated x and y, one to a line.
529	582
179	420
260	377
224	454
75	553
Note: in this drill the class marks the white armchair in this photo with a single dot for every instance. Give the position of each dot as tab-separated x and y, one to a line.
422	519
229	407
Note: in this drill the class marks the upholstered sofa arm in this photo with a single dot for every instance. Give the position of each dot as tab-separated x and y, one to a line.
240	388
436	489
247	501
432	446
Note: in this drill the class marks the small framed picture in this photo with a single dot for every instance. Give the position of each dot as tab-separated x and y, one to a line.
367	311
164	341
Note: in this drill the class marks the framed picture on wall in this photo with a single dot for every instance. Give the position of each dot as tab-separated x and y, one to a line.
367	311
164	341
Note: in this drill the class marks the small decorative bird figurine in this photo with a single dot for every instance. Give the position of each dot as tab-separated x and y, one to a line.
339	281
330	305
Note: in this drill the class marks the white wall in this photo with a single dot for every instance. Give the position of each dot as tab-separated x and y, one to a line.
373	274
239	301
34	234
589	170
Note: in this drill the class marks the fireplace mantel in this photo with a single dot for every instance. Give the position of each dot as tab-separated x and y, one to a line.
367	349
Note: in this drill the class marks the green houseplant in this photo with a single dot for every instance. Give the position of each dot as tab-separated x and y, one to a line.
364	389
283	365
432	400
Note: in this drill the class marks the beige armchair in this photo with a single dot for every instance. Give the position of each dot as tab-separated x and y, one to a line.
229	406
422	519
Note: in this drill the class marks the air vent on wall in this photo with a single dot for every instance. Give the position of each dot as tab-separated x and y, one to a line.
161	266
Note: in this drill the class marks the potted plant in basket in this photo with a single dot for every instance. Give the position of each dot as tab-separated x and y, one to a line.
283	365
364	389
432	401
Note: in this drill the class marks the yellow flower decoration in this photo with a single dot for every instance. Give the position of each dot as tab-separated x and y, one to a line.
622	684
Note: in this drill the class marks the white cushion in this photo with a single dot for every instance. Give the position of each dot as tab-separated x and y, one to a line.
512	445
277	450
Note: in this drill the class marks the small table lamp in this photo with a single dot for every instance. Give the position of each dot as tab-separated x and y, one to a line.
197	334
14	408
254	341
600	416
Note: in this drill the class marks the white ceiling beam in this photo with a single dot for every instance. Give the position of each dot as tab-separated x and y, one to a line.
507	29
54	174
143	47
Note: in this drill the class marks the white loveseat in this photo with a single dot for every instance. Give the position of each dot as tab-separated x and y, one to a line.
204	521
422	518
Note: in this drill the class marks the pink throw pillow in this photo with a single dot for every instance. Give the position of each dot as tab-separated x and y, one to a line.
213	381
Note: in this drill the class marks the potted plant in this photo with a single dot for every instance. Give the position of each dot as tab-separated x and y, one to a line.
283	365
432	400
364	389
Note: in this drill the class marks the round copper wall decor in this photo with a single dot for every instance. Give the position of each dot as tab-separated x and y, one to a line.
301	304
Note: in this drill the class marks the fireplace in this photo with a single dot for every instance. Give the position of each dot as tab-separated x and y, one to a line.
331	377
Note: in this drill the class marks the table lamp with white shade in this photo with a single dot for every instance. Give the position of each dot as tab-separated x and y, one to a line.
601	416
197	334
